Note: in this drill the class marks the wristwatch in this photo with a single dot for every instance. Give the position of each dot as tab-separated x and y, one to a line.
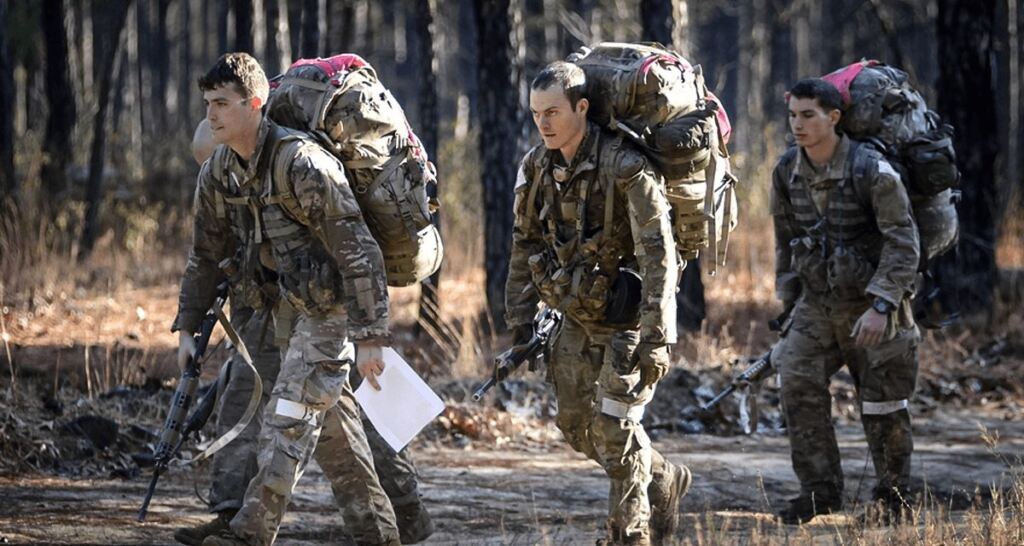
883	306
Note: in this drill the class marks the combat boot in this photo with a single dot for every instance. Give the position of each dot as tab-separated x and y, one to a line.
889	506
414	523
615	538
194	536
224	538
803	508
665	498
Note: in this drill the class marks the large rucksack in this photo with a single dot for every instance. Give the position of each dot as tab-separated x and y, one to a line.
342	104
658	100
885	111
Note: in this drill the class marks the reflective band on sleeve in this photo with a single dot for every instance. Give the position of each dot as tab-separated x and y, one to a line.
614	408
295	410
883	408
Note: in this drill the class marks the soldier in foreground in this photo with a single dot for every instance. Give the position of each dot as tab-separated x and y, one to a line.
235	464
847	253
588	206
345	301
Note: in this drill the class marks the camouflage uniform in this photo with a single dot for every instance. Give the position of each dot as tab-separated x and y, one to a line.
832	265
330	269
605	211
235	464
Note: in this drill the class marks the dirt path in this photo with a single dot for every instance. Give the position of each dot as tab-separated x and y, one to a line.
550	496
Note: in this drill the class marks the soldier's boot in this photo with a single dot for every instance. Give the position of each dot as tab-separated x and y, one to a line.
614	538
194	536
805	507
889	507
414	523
665	497
224	538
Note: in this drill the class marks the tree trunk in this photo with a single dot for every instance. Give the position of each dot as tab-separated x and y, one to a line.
243	25
310	29
966	99
186	87
8	180
499	101
161	70
656	19
223	11
112	20
427	131
61	98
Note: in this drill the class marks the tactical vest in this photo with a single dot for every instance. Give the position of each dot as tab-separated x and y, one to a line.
276	241
588	263
839	250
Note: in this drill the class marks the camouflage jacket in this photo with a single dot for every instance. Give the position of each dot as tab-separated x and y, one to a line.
325	259
844	233
587	220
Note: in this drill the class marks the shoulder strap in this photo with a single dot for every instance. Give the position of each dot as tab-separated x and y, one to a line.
606	166
531	196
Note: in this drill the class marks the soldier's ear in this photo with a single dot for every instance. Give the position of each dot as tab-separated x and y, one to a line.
834	116
582	106
256	103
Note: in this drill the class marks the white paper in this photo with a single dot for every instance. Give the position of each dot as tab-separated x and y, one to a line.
403	405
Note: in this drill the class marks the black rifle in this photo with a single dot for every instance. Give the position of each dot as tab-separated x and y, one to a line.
545	323
756	372
177	429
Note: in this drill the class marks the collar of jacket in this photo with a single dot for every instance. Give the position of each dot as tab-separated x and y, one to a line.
249	172
833	171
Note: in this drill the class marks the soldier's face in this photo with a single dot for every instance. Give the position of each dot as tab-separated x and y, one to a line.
230	114
810	122
556	120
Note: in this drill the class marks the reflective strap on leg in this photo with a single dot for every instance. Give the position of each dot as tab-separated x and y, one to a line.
621	410
295	410
883	408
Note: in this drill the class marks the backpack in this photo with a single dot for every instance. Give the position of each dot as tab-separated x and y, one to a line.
883	110
340	103
658	100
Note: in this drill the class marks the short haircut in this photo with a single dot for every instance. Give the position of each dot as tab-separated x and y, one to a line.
825	93
241	70
568	76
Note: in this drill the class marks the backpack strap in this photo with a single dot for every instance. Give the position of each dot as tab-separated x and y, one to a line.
531	196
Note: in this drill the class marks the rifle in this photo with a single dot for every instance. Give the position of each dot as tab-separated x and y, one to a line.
545	323
756	372
177	429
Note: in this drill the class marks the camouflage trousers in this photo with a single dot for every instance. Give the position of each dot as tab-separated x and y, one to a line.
596	379
815	346
311	394
235	464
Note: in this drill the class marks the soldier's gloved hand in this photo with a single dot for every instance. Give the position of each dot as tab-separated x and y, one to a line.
654	360
370	361
186	348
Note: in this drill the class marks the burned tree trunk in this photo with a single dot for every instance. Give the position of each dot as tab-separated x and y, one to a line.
966	99
499	128
8	182
60	95
112	19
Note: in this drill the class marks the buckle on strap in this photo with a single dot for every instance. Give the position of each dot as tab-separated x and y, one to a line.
295	410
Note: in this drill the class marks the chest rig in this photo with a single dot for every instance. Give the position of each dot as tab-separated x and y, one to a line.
277	243
587	240
840	247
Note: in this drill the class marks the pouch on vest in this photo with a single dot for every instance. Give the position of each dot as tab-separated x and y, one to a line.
931	160
848	274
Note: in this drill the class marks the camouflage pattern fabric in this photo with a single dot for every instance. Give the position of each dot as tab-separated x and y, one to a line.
567	248
235	465
311	393
841	241
816	346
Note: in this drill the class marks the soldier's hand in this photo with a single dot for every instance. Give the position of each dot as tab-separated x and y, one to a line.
653	360
370	361
870	328
186	348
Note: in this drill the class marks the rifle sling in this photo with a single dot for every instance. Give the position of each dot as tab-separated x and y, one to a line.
254	398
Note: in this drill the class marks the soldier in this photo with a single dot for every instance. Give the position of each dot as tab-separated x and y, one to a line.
328	268
847	254
590	213
235	464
